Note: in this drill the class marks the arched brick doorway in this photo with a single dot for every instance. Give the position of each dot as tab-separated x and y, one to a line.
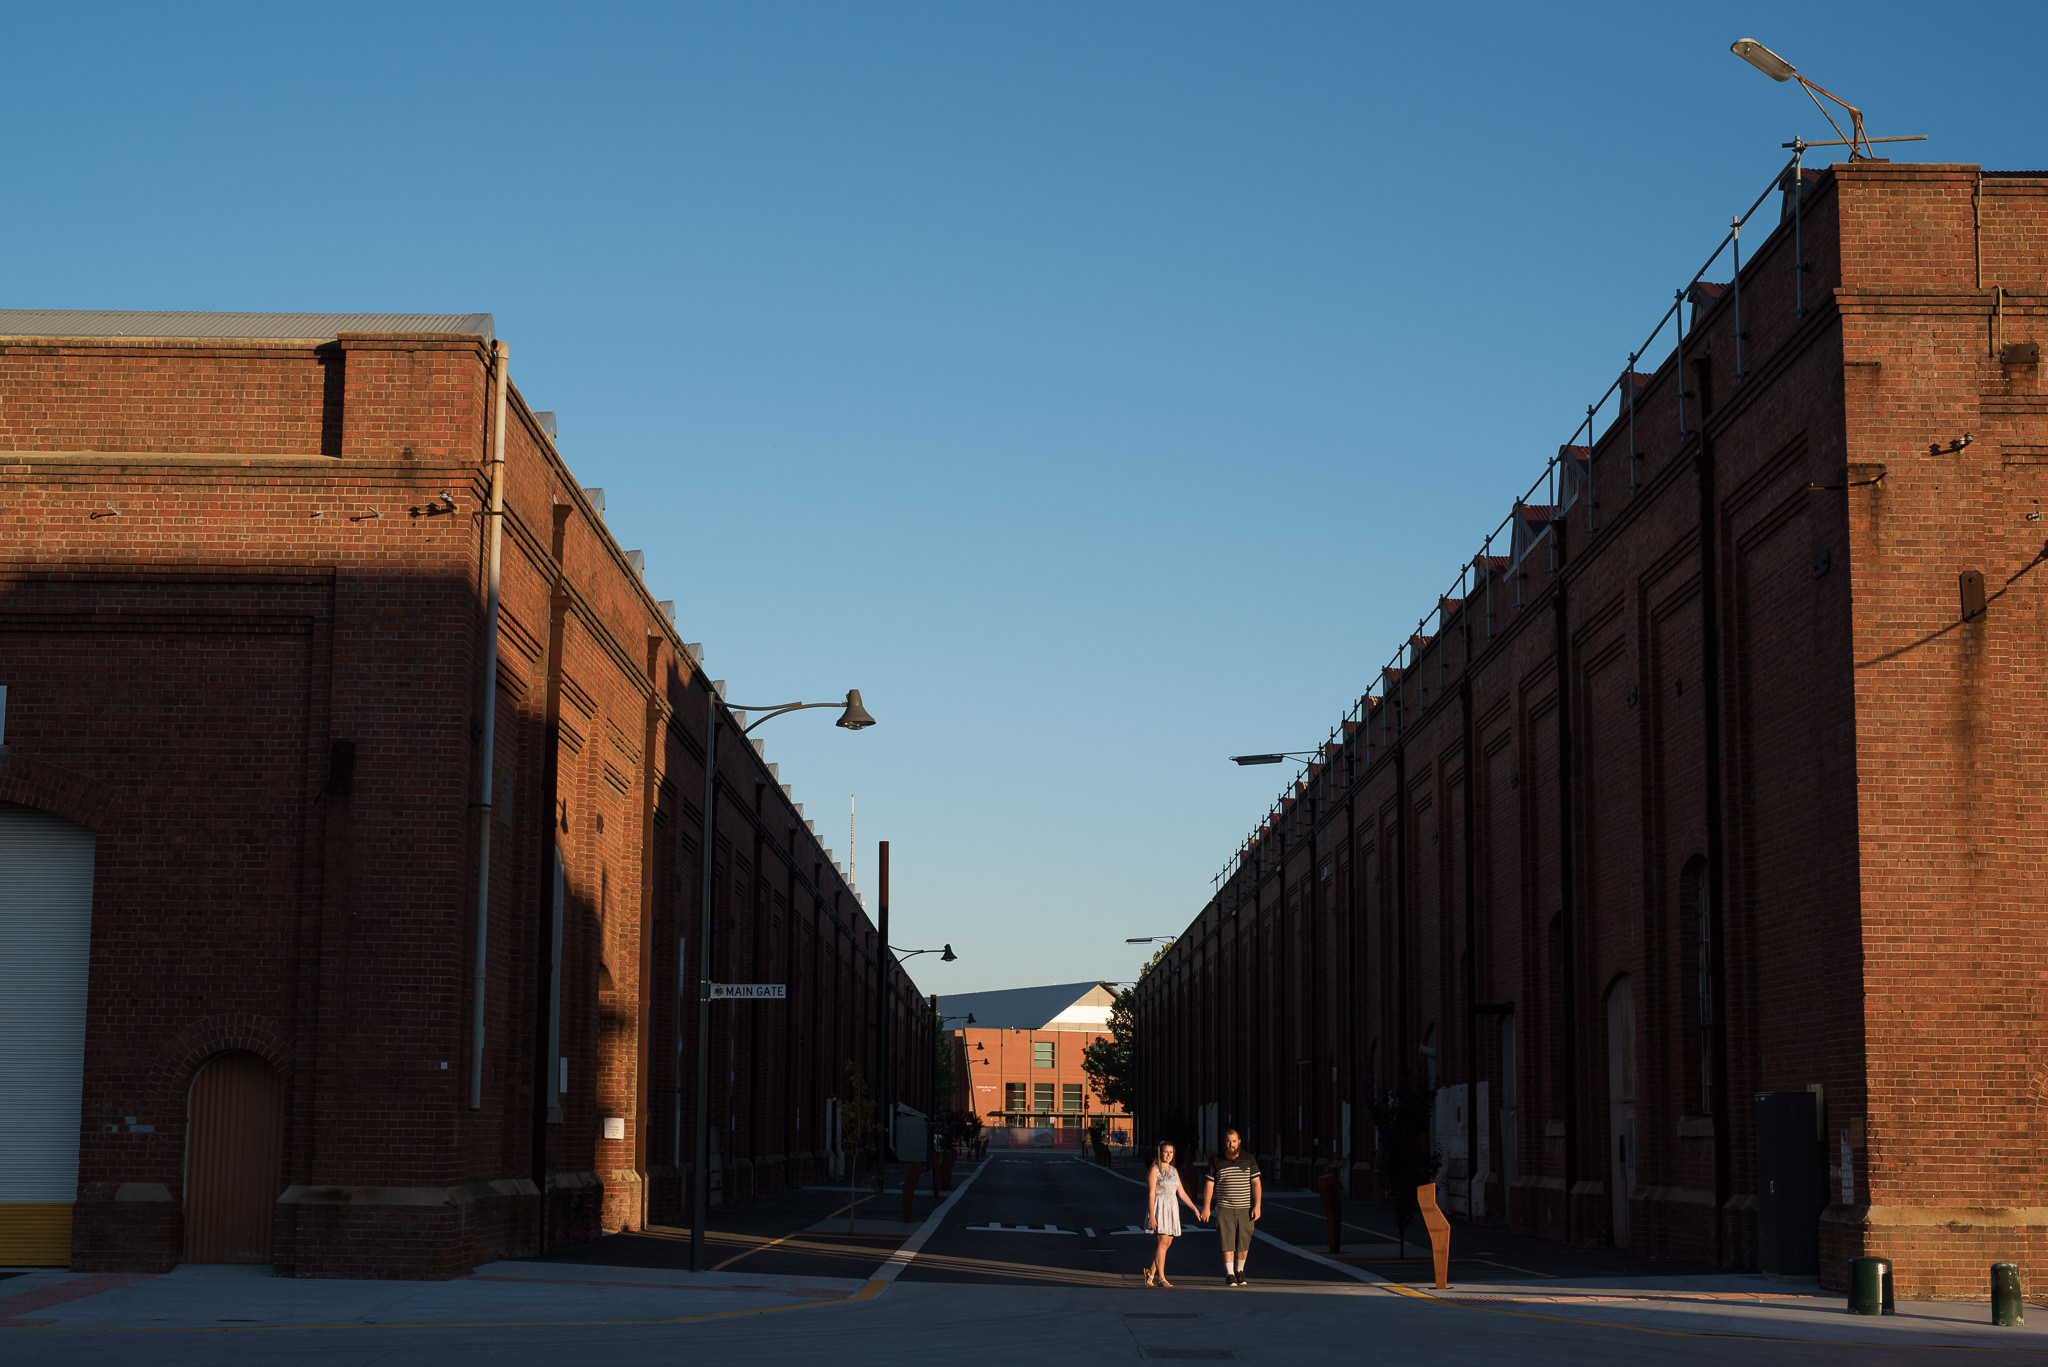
234	1145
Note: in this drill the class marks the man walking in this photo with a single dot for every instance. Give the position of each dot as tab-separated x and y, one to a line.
1234	1187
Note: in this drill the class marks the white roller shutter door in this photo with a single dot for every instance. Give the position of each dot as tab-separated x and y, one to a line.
45	935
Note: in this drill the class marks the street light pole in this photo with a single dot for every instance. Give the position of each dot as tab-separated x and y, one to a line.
883	962
700	1173
854	718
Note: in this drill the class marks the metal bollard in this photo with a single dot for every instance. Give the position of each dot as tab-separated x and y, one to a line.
2008	1302
1870	1286
910	1188
1333	1210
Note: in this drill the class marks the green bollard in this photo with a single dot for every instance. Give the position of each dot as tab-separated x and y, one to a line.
2008	1304
1869	1283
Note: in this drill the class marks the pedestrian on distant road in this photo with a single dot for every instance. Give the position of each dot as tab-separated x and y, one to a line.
1234	1188
1162	1216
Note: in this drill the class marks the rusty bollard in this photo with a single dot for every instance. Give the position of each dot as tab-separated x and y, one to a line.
1333	1210
1439	1233
910	1188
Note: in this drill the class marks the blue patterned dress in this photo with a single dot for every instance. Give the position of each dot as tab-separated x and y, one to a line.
1166	1205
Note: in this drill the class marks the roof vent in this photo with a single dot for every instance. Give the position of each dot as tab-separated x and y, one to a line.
1531	527
596	497
667	608
547	423
1808	175
1703	296
638	560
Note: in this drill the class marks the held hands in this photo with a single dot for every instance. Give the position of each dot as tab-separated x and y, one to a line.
1205	1213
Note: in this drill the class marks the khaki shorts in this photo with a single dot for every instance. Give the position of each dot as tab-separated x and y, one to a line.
1234	1228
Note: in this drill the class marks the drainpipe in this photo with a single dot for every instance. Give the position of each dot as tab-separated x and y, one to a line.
1710	710
489	715
1467	818
1401	1060
1567	888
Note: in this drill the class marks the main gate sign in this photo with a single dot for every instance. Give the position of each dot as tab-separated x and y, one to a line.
721	992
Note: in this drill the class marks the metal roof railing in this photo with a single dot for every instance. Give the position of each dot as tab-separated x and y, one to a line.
1382	716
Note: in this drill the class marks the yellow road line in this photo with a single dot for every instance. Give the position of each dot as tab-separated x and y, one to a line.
862	1294
720	1267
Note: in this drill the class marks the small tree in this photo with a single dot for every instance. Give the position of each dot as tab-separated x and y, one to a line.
1108	1060
957	1129
1111	1063
857	1129
1400	1121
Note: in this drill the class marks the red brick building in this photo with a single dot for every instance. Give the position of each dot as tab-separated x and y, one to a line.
1694	842
250	689
1019	1064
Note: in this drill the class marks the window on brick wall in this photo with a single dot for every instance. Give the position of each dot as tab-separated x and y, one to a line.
1041	1053
1070	1096
1041	1096
1015	1097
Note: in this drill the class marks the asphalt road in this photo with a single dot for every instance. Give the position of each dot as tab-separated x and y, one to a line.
990	1280
1059	1220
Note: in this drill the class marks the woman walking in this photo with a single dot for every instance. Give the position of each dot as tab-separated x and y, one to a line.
1162	1215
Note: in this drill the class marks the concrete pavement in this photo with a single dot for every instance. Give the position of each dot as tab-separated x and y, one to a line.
982	1275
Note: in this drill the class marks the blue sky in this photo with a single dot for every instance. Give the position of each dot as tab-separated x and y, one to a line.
1104	389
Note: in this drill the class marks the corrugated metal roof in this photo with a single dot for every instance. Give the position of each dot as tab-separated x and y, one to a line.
235	326
1013	1008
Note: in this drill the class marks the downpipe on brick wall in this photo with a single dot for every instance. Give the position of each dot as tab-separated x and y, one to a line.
488	713
1567	887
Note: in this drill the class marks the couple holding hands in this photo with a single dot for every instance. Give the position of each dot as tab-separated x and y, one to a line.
1231	1184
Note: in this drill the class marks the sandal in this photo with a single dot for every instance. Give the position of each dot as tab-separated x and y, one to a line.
1148	1276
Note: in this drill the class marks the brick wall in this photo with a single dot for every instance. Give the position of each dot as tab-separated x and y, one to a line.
1730	675
222	558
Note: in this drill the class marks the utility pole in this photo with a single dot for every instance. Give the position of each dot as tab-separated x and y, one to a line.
884	960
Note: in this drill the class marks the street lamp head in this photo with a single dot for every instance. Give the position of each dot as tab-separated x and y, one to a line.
970	1018
855	717
1256	759
1763	59
948	957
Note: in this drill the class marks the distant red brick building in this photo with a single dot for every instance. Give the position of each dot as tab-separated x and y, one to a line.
254	1006
1019	1067
1694	844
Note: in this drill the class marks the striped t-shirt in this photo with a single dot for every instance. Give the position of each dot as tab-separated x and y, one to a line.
1233	1178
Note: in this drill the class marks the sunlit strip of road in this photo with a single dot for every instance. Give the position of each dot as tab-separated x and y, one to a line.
888	1272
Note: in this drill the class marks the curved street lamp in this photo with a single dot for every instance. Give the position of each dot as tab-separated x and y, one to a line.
853	717
1275	757
946	954
1780	70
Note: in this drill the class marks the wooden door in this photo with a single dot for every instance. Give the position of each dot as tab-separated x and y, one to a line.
233	1157
1621	1103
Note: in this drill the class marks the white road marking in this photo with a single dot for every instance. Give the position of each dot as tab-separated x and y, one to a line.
1358	1272
890	1270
